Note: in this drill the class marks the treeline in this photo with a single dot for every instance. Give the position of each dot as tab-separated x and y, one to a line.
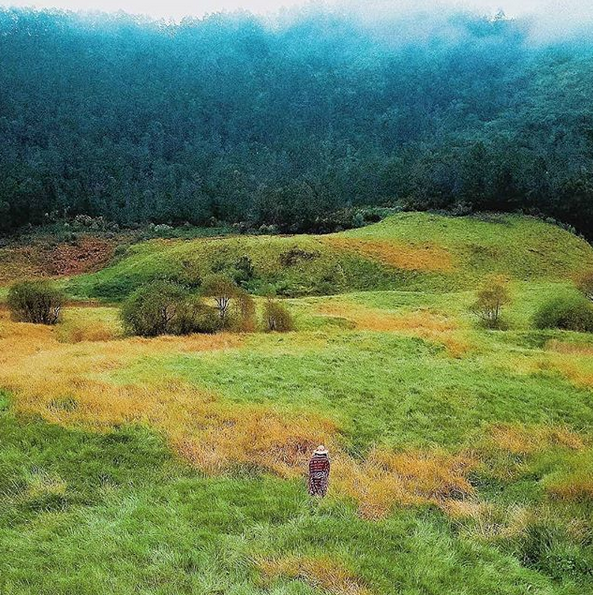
233	119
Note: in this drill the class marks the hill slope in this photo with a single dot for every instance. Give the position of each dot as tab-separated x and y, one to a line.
462	458
413	251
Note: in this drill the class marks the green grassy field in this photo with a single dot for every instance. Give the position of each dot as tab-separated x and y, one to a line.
463	457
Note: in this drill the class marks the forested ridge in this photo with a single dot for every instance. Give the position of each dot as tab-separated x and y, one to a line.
232	118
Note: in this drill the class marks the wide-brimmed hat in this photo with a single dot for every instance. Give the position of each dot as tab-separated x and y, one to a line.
320	450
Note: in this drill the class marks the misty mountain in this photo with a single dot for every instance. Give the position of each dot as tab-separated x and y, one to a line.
235	118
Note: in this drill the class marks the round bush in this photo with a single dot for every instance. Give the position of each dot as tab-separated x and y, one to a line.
164	308
277	317
573	313
35	301
153	309
193	316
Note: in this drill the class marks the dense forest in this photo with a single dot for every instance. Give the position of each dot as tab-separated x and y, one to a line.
235	118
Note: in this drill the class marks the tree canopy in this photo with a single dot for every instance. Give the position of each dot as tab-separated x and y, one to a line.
230	118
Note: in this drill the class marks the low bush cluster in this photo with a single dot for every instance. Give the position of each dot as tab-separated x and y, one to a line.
570	312
166	308
35	301
277	317
163	308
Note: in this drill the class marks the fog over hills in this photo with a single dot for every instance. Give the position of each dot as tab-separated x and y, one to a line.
285	120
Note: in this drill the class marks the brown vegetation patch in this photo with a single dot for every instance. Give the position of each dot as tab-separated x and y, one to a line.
19	262
422	323
42	258
524	440
82	256
410	478
572	487
252	437
573	360
321	572
576	370
426	257
93	331
487	521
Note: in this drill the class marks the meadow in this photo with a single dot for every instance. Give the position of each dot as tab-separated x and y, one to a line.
462	457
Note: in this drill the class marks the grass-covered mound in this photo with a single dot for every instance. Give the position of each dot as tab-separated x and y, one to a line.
412	251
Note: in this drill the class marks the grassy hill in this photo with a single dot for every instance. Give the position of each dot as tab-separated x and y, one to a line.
462	458
411	251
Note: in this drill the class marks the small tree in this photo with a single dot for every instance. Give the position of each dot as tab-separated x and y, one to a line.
492	297
277	317
35	301
222	290
585	285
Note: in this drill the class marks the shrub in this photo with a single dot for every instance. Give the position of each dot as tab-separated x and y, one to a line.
193	316
35	301
573	313
492	297
154	309
164	308
277	317
244	316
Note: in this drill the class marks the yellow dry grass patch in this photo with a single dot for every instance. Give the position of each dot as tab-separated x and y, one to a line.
96	331
223	437
523	440
90	323
572	487
409	478
421	323
569	348
574	370
572	360
487	521
426	257
41	370
569	360
321	572
64	383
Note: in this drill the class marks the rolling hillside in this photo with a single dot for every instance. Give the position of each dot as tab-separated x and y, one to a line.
462	458
410	251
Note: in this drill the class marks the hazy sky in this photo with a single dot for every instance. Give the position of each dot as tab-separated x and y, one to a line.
177	8
551	19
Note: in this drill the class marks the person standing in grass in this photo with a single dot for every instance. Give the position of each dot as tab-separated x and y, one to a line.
319	472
